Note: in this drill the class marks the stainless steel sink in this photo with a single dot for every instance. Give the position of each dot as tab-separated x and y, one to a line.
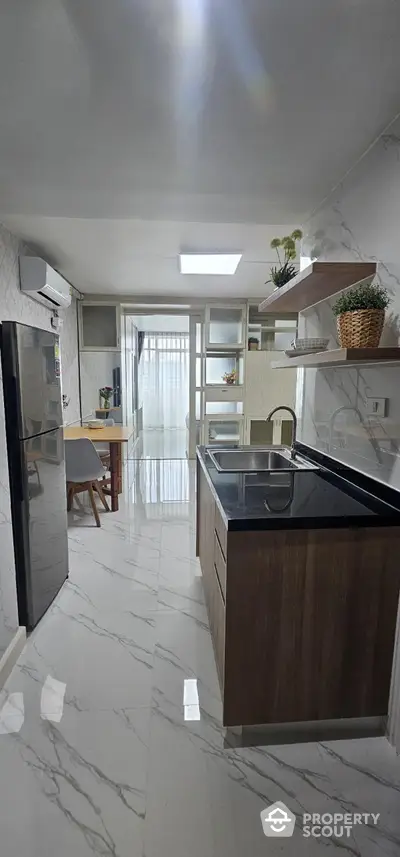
252	459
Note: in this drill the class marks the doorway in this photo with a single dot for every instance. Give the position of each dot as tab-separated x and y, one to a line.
162	401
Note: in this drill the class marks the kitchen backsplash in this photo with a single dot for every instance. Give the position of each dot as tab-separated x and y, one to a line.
15	306
360	221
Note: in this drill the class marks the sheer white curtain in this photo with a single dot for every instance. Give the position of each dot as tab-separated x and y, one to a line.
164	379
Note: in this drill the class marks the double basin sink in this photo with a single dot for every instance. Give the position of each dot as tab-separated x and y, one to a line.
253	459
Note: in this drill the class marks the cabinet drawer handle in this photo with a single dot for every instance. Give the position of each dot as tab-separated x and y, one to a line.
219	584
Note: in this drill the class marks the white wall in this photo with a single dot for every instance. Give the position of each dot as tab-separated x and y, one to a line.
360	221
15	306
96	372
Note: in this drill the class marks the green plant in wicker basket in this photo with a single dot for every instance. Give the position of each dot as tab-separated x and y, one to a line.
363	297
286	270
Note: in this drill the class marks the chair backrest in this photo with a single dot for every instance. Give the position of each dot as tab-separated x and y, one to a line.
109	421
82	463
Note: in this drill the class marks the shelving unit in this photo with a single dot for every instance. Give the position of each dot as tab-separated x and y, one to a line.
274	332
265	389
222	406
340	357
219	362
319	281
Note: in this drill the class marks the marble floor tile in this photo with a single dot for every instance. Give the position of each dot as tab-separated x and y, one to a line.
179	571
77	787
105	658
115	558
111	737
184	650
178	820
188	600
107	588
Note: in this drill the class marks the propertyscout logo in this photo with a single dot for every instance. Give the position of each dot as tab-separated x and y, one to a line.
278	820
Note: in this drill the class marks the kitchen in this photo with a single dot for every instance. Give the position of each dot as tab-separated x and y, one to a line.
315	609
162	703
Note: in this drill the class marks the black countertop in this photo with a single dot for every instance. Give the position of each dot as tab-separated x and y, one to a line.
300	499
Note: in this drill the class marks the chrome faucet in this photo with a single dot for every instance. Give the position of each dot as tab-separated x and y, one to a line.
294	429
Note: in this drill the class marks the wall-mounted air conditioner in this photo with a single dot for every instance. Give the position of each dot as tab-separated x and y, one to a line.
42	283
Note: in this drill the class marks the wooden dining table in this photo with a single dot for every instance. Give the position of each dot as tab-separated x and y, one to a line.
114	435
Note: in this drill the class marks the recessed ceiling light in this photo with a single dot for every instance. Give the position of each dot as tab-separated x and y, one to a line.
209	263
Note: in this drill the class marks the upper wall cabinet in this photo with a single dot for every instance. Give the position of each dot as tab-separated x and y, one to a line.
225	326
99	326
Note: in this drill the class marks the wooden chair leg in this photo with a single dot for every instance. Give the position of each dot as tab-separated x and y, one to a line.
93	504
101	495
70	496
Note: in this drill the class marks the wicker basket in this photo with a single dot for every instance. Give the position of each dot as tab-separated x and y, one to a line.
361	328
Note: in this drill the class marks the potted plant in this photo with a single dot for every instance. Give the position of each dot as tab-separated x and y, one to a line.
361	315
105	395
253	343
286	270
230	377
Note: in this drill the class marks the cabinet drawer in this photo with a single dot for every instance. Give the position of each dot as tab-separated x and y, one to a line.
225	393
216	616
220	565
221	530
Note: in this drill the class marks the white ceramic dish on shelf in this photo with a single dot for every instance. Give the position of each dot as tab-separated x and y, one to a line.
299	352
313	343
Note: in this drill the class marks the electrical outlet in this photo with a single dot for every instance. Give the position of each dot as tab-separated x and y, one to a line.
376	407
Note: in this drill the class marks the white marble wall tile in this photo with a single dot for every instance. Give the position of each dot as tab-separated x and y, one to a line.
359	221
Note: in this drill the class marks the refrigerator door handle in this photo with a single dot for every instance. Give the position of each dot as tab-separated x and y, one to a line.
13	397
16	449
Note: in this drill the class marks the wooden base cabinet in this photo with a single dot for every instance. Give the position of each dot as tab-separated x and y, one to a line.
302	621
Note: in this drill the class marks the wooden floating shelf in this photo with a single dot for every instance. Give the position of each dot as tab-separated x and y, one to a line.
340	357
316	283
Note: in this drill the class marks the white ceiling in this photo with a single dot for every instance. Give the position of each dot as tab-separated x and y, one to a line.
137	257
190	111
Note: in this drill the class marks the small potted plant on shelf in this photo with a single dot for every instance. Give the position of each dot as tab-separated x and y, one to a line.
280	275
105	394
253	343
230	377
361	315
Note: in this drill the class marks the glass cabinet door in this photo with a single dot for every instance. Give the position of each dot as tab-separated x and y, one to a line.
99	327
225	326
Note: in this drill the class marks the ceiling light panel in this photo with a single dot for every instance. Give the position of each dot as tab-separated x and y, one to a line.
209	263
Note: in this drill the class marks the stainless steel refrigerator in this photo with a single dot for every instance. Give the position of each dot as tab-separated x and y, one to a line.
35	446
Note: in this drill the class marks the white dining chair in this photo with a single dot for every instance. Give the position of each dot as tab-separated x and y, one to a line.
84	469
